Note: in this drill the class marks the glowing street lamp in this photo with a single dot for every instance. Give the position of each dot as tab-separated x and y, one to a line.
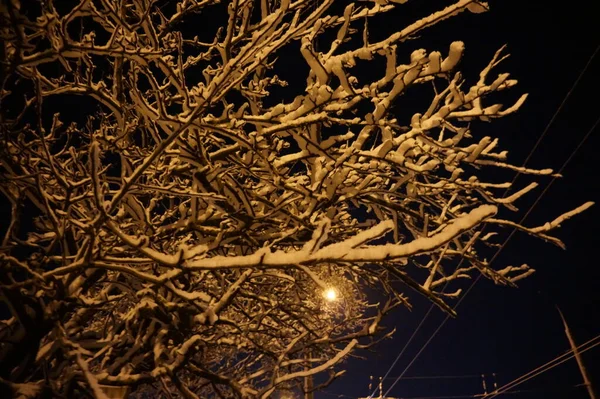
330	294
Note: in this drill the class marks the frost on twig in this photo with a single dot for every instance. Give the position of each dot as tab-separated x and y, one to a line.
177	233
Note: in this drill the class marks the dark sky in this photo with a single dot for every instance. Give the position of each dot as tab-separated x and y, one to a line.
510	331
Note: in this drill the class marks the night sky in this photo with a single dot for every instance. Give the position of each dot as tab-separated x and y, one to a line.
503	330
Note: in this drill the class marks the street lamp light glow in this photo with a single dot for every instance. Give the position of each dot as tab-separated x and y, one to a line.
331	294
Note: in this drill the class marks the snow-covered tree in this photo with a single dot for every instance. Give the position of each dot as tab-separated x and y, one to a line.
177	210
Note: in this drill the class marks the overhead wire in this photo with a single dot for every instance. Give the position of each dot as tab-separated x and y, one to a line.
560	107
545	367
505	389
442	377
405	346
536	145
589	132
479	396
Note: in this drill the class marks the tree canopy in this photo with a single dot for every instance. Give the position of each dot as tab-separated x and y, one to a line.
178	208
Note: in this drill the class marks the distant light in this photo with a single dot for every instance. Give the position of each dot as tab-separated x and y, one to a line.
330	294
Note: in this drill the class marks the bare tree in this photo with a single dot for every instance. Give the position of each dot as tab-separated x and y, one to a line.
179	236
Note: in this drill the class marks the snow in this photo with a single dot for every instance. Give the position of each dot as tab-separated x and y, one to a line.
345	251
565	216
454	56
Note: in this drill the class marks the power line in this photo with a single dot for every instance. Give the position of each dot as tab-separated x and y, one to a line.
406	346
440	377
562	104
520	391
520	222
495	256
535	146
480	396
504	390
545	367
